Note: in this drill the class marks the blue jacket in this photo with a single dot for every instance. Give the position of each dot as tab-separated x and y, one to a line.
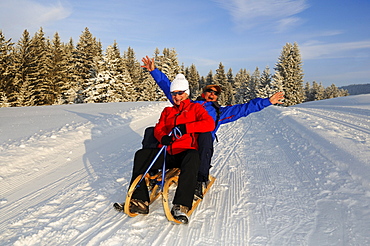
226	113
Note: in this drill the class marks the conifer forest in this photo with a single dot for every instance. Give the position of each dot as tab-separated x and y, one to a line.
37	70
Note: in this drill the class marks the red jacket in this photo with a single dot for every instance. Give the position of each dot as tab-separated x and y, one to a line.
195	118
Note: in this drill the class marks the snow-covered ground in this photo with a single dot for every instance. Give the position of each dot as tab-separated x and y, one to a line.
285	176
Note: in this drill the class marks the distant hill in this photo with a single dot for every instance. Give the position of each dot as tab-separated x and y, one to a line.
357	89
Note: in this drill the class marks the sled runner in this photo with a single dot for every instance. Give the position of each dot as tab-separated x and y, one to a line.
160	184
166	192
153	183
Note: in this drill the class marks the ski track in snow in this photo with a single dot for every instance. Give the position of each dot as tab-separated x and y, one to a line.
285	176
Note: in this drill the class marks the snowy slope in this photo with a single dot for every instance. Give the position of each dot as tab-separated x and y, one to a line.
285	176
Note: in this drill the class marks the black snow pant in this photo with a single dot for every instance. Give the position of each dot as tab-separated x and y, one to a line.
205	149
205	143
188	162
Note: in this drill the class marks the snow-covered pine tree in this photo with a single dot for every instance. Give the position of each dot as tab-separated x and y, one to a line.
210	78
87	53
343	93
331	91
242	79
4	100
289	66
132	65
71	94
125	71
39	85
148	89
277	82
254	83
113	82
308	91
168	63
193	77
221	80
264	86
23	62
6	72
202	84
318	91
231	82
58	70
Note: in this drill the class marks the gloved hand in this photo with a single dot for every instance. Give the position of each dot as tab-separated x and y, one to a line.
166	140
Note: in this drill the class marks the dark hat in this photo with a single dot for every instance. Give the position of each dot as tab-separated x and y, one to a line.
218	88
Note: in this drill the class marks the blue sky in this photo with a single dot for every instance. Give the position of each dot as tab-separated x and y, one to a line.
333	36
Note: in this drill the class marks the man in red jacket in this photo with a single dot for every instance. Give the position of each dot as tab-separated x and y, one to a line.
188	119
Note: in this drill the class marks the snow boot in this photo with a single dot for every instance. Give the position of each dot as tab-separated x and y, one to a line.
179	212
119	206
136	206
199	189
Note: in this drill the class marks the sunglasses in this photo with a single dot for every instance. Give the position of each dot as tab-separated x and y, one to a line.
212	92
177	93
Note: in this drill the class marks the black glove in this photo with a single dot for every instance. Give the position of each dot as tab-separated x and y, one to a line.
166	140
182	128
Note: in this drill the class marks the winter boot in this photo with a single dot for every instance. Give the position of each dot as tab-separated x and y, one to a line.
119	206
199	189
139	206
179	212
136	206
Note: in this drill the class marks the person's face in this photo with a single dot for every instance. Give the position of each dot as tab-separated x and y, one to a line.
211	94
179	96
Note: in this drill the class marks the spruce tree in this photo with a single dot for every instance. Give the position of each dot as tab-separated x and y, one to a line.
343	93
289	66
59	70
23	68
221	80
40	80
209	79
318	91
331	91
6	71
242	79
70	95
113	82
193	77
4	100
168	63
202	84
132	65
254	83
148	90
264	85
86	56
231	83
309	93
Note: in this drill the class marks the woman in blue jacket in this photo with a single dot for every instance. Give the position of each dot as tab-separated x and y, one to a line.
221	115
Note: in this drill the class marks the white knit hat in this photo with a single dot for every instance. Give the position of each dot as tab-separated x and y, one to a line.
180	84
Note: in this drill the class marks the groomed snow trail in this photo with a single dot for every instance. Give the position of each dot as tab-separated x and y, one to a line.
285	176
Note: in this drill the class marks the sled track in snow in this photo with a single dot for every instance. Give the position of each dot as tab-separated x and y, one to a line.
344	121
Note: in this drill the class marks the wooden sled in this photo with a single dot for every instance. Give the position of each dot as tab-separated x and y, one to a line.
153	183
